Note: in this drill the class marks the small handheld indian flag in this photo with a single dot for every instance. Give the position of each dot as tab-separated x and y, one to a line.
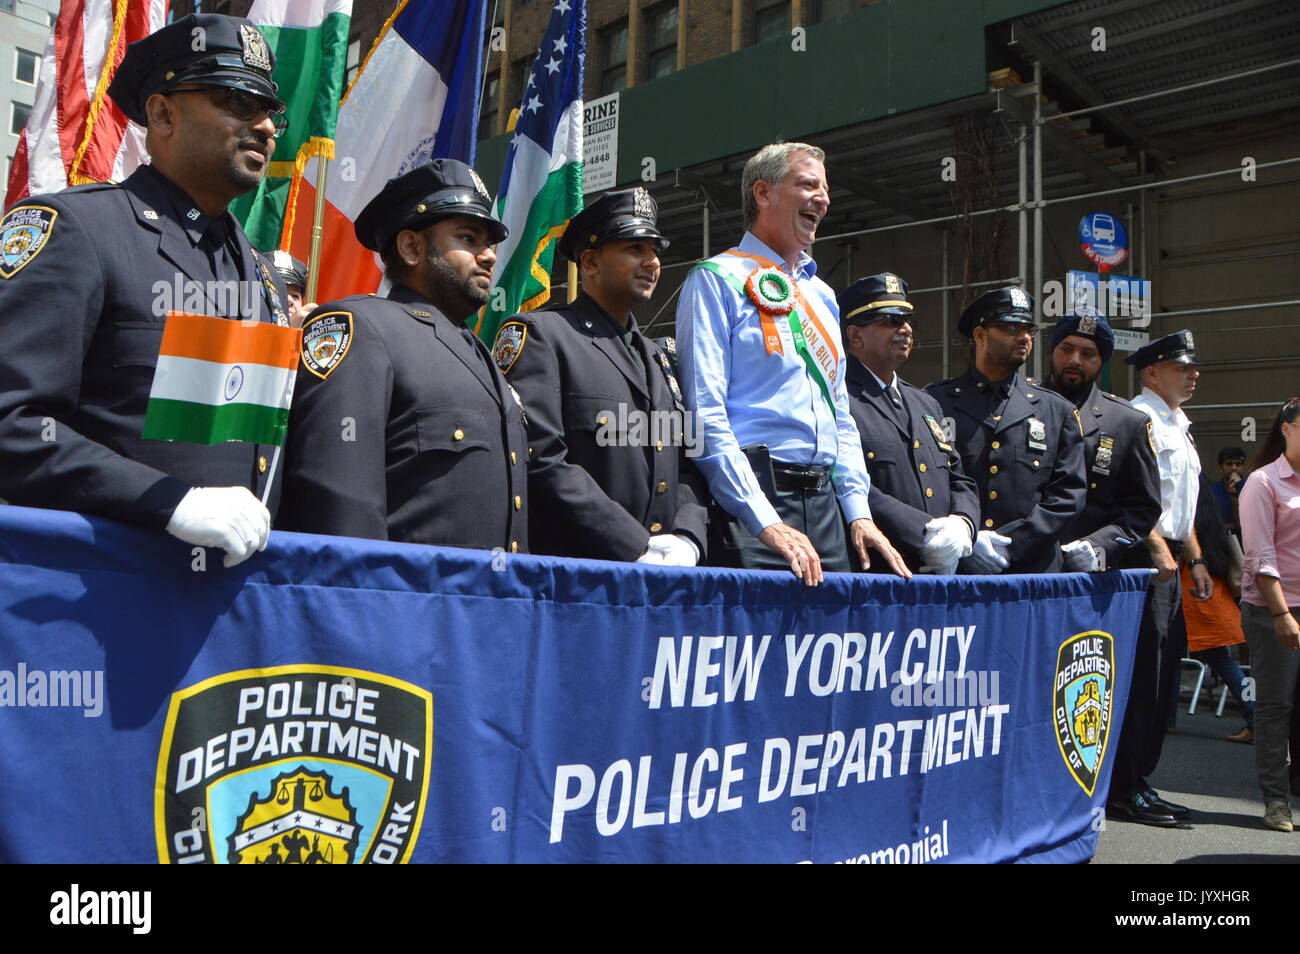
222	380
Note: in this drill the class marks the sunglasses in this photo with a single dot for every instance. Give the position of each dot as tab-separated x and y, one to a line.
243	106
1015	327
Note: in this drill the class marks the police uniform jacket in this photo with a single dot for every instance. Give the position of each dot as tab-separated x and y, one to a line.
1026	457
402	429
915	472
87	277
1123	500
600	484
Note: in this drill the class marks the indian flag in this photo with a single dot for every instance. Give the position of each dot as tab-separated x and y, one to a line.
222	380
541	184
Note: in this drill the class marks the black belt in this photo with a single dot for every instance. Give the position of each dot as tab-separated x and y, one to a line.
808	477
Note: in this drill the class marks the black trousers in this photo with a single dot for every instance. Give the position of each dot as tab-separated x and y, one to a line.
1161	645
816	513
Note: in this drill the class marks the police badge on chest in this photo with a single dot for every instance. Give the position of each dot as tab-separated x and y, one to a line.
1105	450
1037	434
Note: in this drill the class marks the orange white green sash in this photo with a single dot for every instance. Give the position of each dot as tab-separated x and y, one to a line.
813	344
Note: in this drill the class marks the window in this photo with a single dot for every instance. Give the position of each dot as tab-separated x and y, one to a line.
487	114
7	6
18	113
662	58
26	66
613	58
354	62
771	18
519	71
819	10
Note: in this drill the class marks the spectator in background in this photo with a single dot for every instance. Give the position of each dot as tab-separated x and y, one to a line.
1232	460
1270	590
1215	625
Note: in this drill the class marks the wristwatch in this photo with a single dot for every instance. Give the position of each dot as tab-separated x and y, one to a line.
1199	561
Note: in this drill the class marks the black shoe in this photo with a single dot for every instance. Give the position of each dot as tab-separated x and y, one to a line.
1138	808
1163	805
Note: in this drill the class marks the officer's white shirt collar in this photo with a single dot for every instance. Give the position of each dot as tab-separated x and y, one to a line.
893	381
1168	414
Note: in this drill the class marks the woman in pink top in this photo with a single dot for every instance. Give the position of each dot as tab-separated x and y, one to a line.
1270	600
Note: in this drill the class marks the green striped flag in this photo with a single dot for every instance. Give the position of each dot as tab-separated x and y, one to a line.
222	380
310	42
541	185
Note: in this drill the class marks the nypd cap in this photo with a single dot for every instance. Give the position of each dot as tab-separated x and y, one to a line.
231	52
1091	326
872	298
619	214
426	194
1013	305
291	270
1176	347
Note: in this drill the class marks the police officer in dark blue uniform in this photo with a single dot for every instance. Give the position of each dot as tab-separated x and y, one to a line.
919	496
609	477
1021	444
292	272
402	428
1122	507
88	275
1123	497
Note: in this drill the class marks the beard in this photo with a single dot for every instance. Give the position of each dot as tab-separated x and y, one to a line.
458	297
1074	393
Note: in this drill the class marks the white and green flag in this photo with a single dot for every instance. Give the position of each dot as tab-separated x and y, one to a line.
310	42
541	185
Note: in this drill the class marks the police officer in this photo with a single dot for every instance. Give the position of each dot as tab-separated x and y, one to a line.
1021	444
294	275
1123	498
1122	506
402	428
919	495
88	275
1168	370
608	477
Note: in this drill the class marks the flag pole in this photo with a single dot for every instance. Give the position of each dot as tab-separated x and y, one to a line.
317	233
270	474
573	281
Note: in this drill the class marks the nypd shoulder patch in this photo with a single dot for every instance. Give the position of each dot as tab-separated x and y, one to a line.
326	339
24	232
509	345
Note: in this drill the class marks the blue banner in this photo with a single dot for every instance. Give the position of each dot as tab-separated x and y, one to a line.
347	701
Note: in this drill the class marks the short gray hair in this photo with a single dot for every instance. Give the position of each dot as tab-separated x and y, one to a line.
769	164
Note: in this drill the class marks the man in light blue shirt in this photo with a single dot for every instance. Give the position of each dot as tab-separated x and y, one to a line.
763	368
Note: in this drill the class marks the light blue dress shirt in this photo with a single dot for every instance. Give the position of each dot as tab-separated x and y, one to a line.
742	395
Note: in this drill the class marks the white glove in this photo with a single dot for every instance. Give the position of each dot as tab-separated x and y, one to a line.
947	540
990	552
670	549
227	517
1082	557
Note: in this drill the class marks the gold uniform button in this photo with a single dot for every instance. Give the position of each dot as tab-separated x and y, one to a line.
871	455
514	546
663	486
993	469
514	458
603	420
1036	463
261	465
996	444
922	468
519	501
659	446
916	445
656	527
530	453
458	434
988	523
929	491
1092	486
993	495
